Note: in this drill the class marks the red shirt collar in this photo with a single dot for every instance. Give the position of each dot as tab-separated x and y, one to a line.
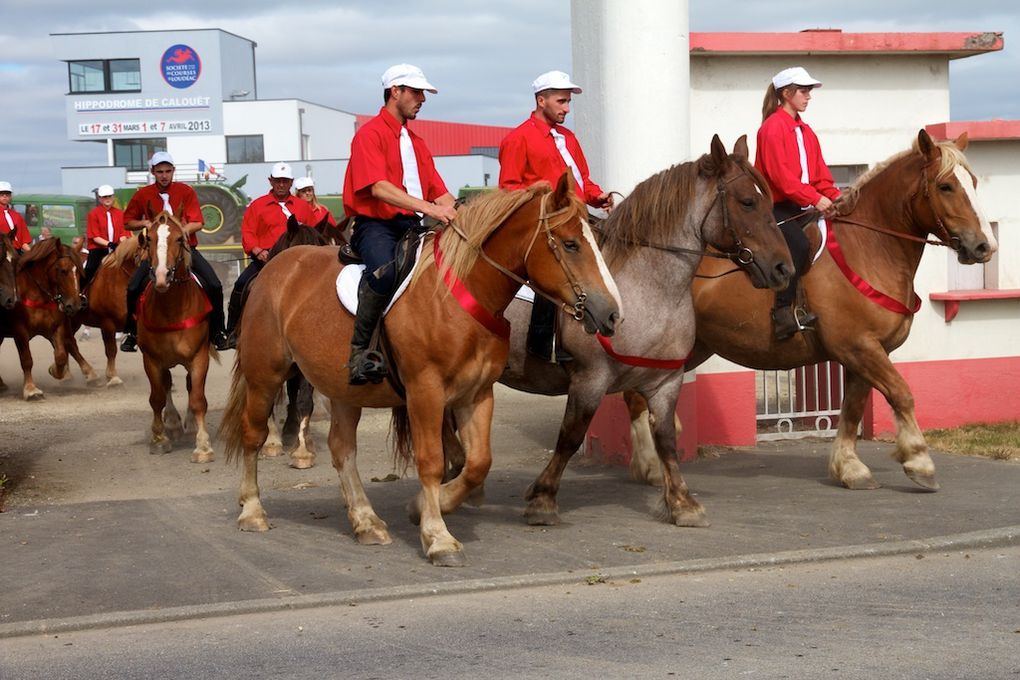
790	120
543	126
391	122
271	198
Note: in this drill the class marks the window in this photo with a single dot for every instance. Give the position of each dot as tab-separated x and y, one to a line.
109	75
30	212
844	175
245	149
134	154
58	216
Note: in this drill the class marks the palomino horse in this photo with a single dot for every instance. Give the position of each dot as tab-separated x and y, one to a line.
652	243
107	307
173	330
882	224
448	349
47	279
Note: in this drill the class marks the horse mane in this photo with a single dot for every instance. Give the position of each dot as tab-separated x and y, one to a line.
949	159
40	251
659	204
127	249
478	219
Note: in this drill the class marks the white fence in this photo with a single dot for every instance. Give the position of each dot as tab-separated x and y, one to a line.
802	402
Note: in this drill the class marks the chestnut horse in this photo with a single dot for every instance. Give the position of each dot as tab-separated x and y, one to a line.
652	243
47	280
8	282
448	349
882	225
173	330
107	305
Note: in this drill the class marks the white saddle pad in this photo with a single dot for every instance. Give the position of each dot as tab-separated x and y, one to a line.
350	278
822	227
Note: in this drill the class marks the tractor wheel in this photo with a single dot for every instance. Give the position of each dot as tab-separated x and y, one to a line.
221	214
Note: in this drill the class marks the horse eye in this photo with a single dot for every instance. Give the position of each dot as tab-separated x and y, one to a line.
747	202
572	246
945	188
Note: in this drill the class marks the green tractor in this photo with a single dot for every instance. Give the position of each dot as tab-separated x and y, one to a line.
64	216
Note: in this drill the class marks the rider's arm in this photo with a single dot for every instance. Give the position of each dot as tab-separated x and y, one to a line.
390	193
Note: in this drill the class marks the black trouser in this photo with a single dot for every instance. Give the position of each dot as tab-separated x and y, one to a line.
797	241
206	276
237	294
376	241
95	259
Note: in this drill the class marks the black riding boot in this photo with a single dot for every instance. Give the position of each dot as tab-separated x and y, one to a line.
367	365
130	341
787	317
542	332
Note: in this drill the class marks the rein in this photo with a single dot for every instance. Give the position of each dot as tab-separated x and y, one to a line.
577	309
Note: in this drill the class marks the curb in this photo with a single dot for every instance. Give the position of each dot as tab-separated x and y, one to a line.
988	538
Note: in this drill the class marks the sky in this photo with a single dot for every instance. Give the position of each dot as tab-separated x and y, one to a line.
481	56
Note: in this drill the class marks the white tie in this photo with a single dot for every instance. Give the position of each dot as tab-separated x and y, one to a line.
803	155
561	145
412	183
166	203
109	228
10	221
283	207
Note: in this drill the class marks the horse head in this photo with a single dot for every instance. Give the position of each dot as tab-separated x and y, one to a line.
168	249
570	269
8	283
55	271
739	219
947	204
297	234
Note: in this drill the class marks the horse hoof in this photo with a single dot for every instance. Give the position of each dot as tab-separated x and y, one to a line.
115	381
160	447
373	536
925	481
198	456
861	483
691	518
253	523
94	381
52	370
34	395
272	450
476	497
302	463
448	558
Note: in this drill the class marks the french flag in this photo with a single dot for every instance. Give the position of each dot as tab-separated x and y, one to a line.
205	167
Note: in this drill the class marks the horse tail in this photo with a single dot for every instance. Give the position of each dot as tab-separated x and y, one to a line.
400	436
232	426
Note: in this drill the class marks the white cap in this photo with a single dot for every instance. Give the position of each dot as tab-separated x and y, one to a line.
409	75
795	75
104	190
554	80
160	157
282	171
5	186
303	183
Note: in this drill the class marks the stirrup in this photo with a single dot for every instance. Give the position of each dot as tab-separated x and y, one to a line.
805	319
367	366
129	343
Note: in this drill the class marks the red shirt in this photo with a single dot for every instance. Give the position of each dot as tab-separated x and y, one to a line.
264	220
375	156
19	236
96	226
778	158
319	213
529	154
147	203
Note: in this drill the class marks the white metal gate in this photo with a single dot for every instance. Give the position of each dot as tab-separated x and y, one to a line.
803	402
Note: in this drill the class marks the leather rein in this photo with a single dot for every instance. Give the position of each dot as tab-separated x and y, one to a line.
576	310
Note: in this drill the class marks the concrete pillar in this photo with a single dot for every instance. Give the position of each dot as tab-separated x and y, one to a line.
632	59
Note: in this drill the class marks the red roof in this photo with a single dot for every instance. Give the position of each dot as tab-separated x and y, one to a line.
835	41
453	139
977	130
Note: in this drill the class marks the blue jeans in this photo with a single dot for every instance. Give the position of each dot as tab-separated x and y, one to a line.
375	241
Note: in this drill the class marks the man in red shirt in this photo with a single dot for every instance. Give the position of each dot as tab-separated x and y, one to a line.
11	222
182	201
539	149
391	181
104	230
265	220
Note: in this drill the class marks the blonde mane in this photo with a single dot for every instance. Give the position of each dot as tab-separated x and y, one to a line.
478	219
127	249
950	158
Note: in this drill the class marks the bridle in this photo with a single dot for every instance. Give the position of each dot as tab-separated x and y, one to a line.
171	272
577	310
740	254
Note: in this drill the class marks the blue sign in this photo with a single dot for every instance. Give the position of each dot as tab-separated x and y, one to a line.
180	66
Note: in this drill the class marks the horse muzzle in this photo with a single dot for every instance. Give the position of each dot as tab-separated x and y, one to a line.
772	275
600	315
974	251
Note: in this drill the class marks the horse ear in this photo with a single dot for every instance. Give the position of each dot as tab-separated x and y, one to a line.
925	144
718	151
323	225
565	188
141	239
292	224
962	141
740	148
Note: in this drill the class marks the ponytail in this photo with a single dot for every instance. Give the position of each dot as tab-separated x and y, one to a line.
770	103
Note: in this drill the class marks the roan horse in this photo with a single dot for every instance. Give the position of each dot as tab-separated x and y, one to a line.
882	225
173	329
448	349
652	244
47	281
